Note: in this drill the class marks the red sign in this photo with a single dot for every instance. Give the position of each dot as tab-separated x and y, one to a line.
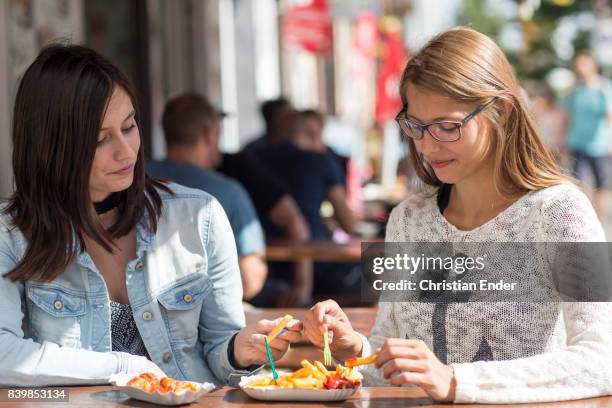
309	27
366	34
388	101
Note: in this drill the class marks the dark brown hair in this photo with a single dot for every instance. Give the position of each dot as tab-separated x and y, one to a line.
269	110
185	117
59	108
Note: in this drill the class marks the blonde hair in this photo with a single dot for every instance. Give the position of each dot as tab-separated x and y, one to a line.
469	67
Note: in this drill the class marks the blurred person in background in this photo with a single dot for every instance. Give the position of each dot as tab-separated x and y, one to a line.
314	178
277	114
549	118
192	132
276	209
281	218
589	112
311	176
308	135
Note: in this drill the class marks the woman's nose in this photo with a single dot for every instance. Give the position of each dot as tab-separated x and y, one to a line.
124	150
428	144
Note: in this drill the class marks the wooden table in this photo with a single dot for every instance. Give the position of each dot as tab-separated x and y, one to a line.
370	397
362	319
323	251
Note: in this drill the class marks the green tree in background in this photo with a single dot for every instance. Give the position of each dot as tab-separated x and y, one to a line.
535	56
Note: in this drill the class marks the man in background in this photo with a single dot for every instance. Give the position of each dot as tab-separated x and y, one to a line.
308	135
190	137
277	114
275	207
314	176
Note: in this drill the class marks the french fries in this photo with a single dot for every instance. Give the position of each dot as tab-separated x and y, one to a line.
149	382
314	371
321	368
358	361
311	375
279	327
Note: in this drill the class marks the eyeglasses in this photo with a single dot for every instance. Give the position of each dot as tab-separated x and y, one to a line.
443	131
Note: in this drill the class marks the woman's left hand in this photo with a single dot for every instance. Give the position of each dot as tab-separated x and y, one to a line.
249	347
411	362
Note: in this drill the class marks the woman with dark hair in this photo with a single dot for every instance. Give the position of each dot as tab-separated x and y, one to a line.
102	268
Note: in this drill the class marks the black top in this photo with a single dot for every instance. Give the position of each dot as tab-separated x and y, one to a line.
262	184
309	176
107	204
125	336
256	144
443	196
343	163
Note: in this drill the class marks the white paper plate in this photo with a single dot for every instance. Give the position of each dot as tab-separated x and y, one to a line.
169	398
293	394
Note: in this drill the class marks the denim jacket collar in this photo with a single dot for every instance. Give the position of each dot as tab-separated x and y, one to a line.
145	240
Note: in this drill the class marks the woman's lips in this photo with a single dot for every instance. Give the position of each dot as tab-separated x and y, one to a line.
124	171
439	164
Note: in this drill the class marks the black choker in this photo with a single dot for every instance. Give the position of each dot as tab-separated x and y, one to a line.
106	205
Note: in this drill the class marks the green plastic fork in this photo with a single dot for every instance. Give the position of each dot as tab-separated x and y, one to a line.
327	356
271	359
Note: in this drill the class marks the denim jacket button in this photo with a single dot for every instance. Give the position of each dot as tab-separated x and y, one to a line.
147	316
167	357
187	298
139	265
58	304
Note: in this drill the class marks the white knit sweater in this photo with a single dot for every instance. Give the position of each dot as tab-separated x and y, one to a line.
537	352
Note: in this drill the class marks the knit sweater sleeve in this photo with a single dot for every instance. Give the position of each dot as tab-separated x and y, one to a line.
385	326
581	369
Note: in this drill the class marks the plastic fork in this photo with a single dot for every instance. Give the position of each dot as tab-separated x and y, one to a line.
327	356
271	359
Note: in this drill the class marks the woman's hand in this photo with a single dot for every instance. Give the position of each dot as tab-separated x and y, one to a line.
411	362
154	368
134	364
327	315
249	347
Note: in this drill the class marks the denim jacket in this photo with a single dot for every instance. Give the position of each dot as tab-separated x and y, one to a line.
184	288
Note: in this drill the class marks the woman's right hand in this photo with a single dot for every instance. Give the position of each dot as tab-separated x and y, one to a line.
133	364
151	367
344	342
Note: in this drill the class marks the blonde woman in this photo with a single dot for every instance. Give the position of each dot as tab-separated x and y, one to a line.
489	179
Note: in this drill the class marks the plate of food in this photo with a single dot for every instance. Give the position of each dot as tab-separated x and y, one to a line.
163	391
312	382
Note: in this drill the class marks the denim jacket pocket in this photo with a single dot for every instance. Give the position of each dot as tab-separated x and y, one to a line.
56	314
182	303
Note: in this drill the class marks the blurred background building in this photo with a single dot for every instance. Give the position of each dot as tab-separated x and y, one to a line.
340	57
